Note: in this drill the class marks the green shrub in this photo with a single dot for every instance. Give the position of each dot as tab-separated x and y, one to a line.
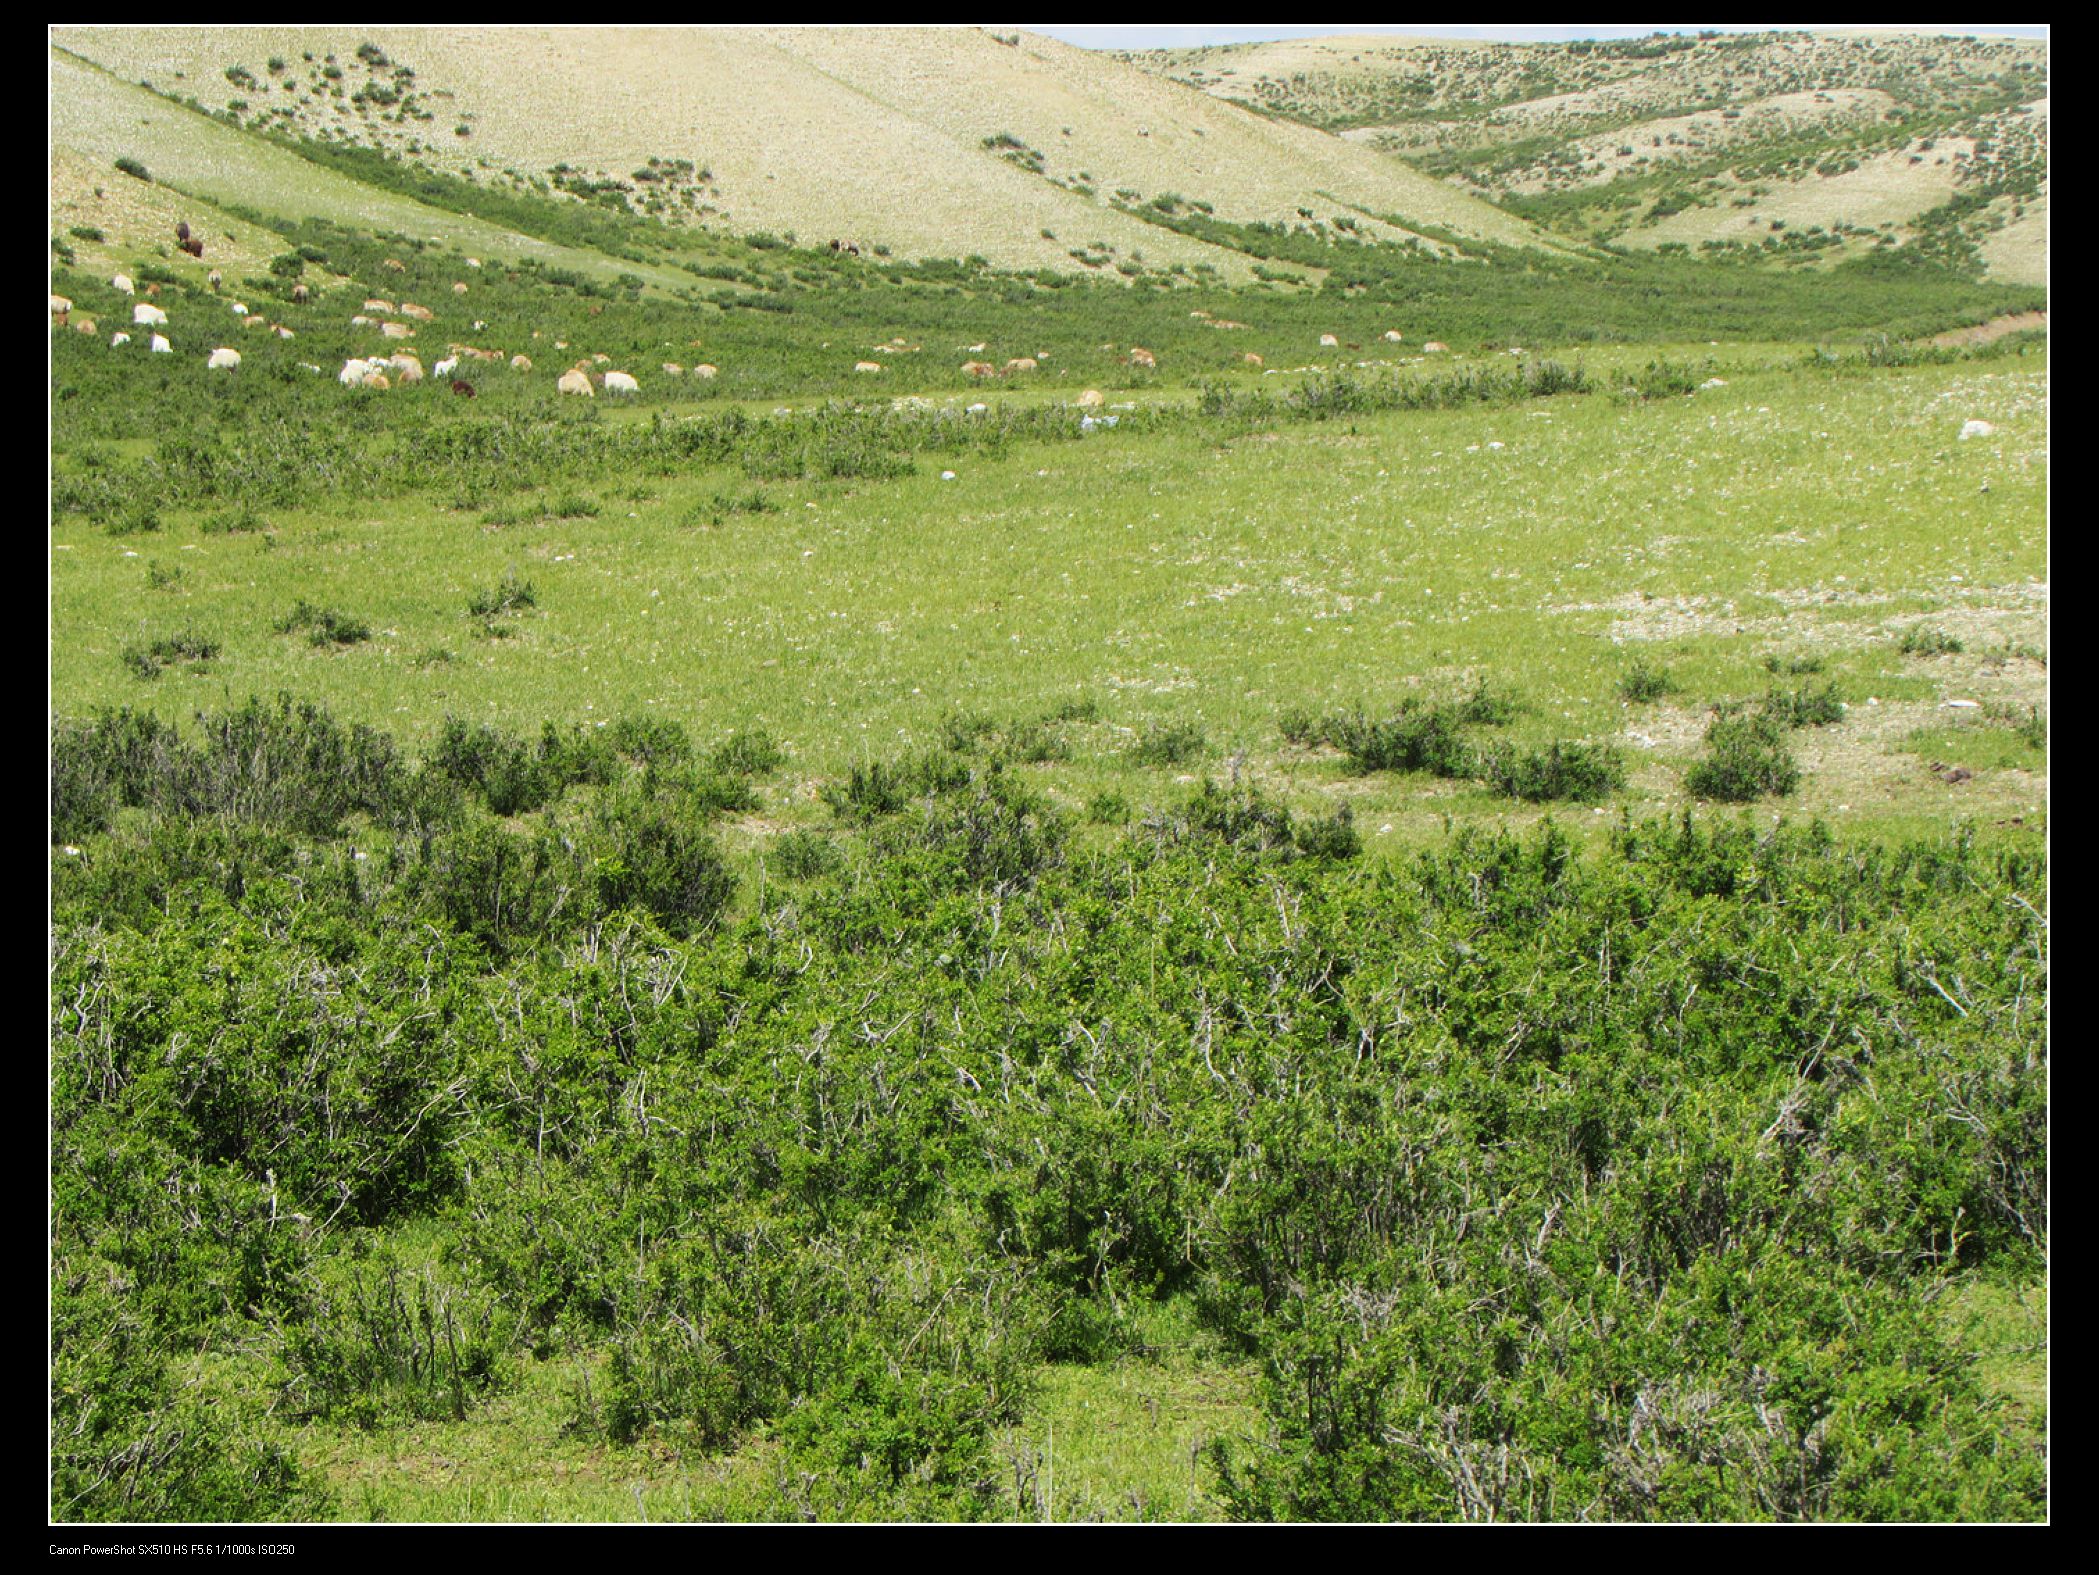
1169	744
1917	640
805	855
1644	682
324	625
1747	757
748	754
1586	772
147	660
1418	737
1810	705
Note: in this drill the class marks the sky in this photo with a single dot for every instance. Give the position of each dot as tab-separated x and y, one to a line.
1185	35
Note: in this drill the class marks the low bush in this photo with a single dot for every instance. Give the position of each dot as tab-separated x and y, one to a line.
1747	758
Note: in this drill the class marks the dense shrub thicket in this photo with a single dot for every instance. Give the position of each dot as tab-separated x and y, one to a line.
1540	1183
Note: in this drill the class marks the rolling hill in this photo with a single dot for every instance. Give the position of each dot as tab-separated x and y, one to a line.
915	142
1791	142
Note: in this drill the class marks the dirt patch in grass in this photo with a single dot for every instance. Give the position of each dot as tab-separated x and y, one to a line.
1995	328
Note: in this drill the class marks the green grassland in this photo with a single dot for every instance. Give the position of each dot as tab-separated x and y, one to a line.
1389	935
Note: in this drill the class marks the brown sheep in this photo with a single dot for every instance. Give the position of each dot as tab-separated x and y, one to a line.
1253	360
979	369
462	388
1139	356
395	264
1023	363
300	295
421	314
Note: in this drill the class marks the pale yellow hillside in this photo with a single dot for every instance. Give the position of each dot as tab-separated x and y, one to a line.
869	134
1889	189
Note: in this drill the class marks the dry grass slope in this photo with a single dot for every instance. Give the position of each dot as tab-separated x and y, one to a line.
874	135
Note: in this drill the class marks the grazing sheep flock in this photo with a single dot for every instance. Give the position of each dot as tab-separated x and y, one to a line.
404	369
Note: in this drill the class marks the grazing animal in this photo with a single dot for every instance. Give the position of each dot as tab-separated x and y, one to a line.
620	383
409	367
378	380
672	369
1329	342
256	321
119	339
601	360
473	262
282	332
60	308
301	295
1394	337
867	366
85	325
446	367
459	287
194	248
703	370
396	331
1139	356
214	279
520	363
421	314
223	358
575	381
160	346
354	372
1434	347
122	285
974	349
376	305
182	230
238	309
979	369
1021	363
1252	360
153	290
145	315
1092	399
462	388
396	264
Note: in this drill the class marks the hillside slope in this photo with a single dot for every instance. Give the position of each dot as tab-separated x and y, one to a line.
1813	145
926	142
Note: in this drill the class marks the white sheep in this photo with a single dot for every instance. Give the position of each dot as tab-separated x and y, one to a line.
223	358
620	383
446	367
161	346
122	285
119	339
147	315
